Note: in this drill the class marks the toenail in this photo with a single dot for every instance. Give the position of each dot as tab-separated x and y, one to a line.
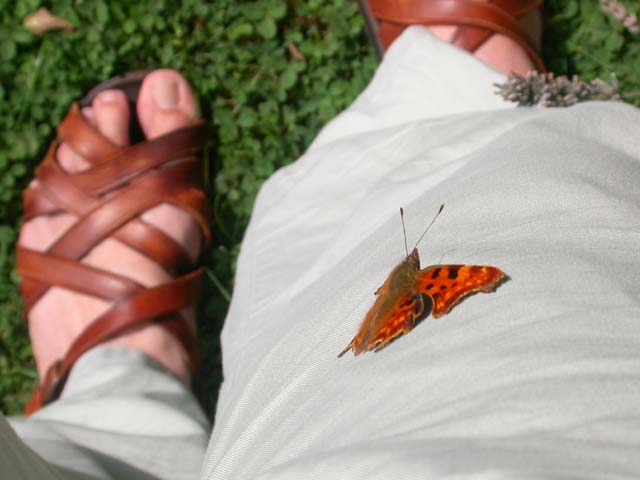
165	94
108	96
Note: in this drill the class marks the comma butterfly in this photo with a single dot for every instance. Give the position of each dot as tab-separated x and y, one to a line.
401	299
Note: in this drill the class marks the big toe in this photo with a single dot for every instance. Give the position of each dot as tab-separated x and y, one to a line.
166	102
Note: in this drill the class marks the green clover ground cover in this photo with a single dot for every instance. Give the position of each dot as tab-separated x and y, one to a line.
269	75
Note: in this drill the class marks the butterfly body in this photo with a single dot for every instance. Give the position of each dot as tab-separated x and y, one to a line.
400	301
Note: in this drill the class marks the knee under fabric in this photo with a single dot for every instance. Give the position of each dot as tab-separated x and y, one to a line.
539	378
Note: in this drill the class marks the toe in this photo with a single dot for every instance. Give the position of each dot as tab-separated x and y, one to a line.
111	111
69	159
166	102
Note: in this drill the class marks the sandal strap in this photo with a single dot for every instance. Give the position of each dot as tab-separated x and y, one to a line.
160	304
108	200
84	139
477	21
56	197
103	212
42	268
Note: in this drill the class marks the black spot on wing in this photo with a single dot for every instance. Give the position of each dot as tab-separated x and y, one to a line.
453	273
436	273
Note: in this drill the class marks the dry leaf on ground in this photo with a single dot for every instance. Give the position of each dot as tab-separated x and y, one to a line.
43	21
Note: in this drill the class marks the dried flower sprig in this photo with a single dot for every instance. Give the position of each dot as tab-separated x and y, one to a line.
618	11
547	90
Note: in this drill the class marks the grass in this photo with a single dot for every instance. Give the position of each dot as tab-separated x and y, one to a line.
269	75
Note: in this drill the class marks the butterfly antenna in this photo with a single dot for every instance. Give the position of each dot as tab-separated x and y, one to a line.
429	226
404	231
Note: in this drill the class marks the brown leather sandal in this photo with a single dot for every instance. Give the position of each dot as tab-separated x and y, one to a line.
476	20
108	200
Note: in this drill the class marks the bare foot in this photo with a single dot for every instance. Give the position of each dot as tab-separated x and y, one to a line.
166	102
500	51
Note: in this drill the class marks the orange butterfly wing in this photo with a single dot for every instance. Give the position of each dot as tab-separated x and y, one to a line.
399	305
449	284
383	325
400	321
